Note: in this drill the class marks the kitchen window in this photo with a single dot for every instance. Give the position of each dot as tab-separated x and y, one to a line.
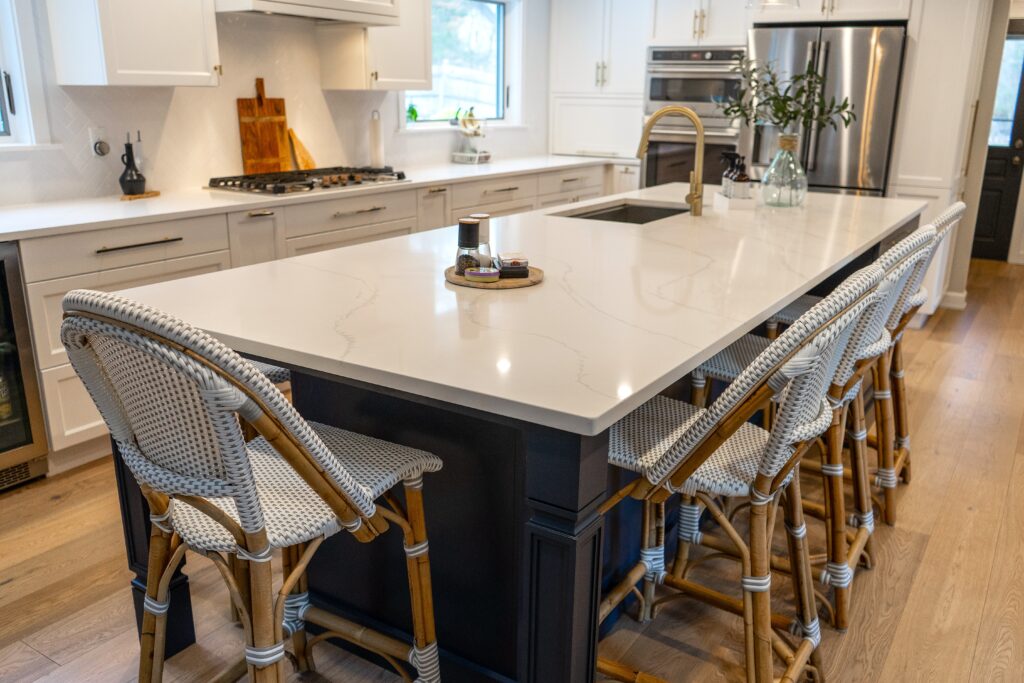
22	103
468	63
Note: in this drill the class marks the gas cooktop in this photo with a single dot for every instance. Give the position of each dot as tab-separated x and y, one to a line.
306	181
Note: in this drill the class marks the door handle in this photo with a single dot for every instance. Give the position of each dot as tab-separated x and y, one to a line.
812	147
261	214
597	74
695	19
703	22
166	240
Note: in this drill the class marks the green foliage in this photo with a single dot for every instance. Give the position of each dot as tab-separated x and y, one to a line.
412	114
765	98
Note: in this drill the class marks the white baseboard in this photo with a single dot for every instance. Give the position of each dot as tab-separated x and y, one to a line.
70	458
956	301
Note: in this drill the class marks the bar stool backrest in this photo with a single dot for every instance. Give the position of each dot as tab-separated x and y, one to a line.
797	366
870	337
913	293
171	394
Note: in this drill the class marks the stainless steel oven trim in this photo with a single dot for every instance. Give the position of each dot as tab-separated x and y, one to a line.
33	405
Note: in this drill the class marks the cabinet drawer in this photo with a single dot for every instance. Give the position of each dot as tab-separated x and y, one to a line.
45	258
44	298
298	246
496	210
549	200
339	214
494	191
256	236
570	180
434	207
71	416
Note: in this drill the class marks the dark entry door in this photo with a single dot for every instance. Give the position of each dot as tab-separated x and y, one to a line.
1000	188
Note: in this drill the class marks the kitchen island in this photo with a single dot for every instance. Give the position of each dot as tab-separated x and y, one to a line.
515	390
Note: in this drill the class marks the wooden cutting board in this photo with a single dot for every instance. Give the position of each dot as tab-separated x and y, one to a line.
264	129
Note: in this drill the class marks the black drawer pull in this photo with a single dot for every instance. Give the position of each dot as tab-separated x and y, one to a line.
166	240
505	189
265	213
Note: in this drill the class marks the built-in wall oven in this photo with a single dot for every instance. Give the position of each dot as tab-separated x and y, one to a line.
701	79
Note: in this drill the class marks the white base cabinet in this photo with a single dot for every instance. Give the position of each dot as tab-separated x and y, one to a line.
433	207
134	42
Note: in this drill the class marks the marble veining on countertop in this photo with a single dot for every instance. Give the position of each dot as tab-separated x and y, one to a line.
24	221
624	310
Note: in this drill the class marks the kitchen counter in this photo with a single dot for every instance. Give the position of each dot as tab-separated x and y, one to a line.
624	310
515	391
54	218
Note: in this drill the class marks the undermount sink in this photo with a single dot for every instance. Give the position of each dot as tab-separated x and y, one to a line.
627	212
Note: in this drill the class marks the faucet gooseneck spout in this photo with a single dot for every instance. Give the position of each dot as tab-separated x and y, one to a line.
696	196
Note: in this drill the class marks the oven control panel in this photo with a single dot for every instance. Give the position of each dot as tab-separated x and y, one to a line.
677	55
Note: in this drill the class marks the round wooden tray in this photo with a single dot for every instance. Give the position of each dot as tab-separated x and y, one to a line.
535	278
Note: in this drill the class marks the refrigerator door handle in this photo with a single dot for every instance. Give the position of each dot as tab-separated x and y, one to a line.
812	143
812	56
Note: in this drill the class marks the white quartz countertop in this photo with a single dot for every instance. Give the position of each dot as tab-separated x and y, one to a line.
51	218
624	310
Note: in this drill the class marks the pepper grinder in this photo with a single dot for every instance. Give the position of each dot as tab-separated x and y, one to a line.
132	181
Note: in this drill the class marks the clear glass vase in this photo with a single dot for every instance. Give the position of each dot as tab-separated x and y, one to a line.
785	183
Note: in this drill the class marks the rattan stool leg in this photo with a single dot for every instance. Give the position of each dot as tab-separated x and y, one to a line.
261	614
901	413
154	616
757	587
885	476
303	657
803	579
424	655
837	573
698	390
688	532
653	554
865	517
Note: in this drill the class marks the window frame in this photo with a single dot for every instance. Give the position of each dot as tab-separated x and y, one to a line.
503	91
19	56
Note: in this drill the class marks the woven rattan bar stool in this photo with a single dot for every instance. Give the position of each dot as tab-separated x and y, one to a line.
867	351
891	413
173	398
713	453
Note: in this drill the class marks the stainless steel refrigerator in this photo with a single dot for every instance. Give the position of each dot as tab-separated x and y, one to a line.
862	63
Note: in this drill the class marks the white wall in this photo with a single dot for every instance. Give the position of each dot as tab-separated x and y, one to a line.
191	134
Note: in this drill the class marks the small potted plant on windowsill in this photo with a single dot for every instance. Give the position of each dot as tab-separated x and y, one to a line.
790	105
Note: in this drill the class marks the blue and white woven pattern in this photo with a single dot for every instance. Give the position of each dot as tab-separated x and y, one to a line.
174	419
274	373
914	294
796	365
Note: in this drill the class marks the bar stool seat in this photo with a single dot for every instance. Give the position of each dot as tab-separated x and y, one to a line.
638	440
293	512
275	373
791	313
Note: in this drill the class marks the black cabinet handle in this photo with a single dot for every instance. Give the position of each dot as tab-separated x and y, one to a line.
166	240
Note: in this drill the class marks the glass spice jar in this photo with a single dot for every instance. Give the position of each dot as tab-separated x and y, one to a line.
468	254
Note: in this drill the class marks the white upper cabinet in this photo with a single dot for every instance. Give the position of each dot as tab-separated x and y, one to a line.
134	42
380	57
701	22
868	10
363	11
724	23
599	47
837	10
577	45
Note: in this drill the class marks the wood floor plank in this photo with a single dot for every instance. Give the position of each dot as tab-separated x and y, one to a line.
89	627
999	655
19	663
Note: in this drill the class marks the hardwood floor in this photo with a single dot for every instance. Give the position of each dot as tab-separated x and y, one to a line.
945	601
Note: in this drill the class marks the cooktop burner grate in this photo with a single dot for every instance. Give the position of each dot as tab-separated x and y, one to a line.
305	181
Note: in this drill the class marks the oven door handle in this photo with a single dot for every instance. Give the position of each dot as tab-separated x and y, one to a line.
708	134
700	69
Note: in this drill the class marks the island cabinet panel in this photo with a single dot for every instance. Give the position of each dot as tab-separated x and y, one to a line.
70	414
494	191
339	214
45	258
341	238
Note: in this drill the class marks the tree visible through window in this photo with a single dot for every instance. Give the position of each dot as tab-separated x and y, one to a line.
468	64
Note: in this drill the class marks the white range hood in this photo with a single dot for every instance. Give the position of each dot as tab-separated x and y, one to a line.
368	12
